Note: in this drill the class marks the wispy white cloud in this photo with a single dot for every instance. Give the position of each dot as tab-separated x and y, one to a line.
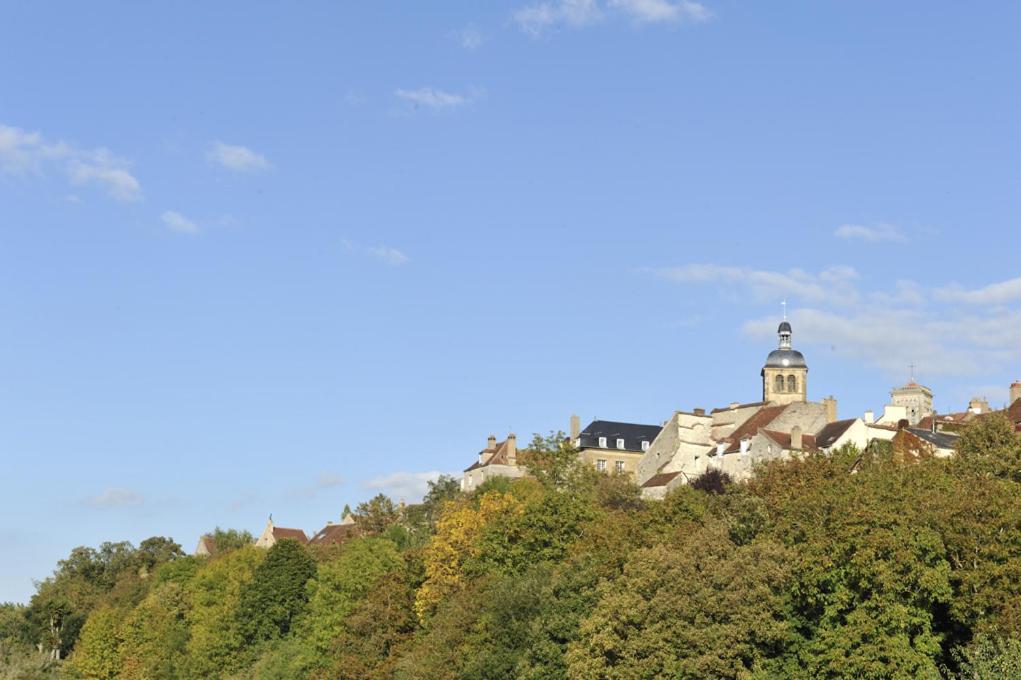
24	152
385	254
407	486
549	15
875	234
834	284
541	17
887	328
470	37
113	498
390	256
325	481
175	221
431	98
993	294
236	158
659	11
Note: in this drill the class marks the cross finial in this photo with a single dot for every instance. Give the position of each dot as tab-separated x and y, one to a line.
783	303
912	367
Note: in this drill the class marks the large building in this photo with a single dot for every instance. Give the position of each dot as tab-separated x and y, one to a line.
611	446
915	399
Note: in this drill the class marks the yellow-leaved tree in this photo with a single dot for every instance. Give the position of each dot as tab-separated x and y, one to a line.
456	542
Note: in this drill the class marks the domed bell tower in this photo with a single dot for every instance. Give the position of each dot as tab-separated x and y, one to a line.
785	375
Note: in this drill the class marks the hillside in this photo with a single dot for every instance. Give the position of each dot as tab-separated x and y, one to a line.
856	565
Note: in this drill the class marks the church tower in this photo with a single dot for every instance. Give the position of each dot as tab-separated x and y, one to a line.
785	375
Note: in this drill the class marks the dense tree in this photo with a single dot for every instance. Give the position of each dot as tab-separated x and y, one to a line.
276	595
377	514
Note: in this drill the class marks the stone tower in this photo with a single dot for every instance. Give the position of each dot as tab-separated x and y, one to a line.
916	400
785	375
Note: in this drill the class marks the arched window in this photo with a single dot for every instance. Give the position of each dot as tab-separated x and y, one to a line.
779	383
792	384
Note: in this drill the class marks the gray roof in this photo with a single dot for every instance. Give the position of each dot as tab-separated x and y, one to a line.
832	432
941	440
786	358
633	435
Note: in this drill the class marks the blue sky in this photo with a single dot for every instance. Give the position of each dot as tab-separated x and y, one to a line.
260	259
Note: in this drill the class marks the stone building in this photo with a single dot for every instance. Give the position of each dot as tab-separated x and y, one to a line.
736	438
611	446
496	460
272	533
915	399
785	374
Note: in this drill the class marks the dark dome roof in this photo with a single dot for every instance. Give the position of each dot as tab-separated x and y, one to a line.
786	358
784	327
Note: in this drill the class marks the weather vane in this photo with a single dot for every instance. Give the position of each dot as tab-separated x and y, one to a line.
784	304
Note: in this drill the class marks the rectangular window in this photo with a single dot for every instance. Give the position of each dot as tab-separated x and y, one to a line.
645	446
602	442
620	443
619	466
601	465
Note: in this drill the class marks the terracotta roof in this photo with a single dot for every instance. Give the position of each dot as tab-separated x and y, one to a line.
749	428
1014	411
832	432
280	533
488	456
662	479
784	440
335	534
728	408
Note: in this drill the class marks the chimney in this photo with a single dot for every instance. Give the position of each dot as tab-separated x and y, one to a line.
699	412
869	417
491	443
796	442
734	405
512	449
1015	392
575	427
831	409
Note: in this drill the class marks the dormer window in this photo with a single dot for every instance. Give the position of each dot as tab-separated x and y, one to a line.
645	446
577	443
620	443
602	442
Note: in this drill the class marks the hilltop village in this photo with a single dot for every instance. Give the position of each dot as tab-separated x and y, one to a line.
733	439
737	437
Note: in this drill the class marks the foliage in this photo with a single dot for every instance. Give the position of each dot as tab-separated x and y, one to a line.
225	540
552	460
712	481
275	597
377	514
848	565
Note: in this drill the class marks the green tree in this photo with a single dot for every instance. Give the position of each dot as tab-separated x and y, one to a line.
553	459
276	595
97	656
377	514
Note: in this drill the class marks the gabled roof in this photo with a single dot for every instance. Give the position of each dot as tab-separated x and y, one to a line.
335	534
280	533
749	428
633	435
491	456
661	479
830	433
783	439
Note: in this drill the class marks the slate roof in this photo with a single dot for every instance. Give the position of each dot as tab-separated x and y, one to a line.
633	435
749	428
280	533
940	440
335	534
832	432
661	479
